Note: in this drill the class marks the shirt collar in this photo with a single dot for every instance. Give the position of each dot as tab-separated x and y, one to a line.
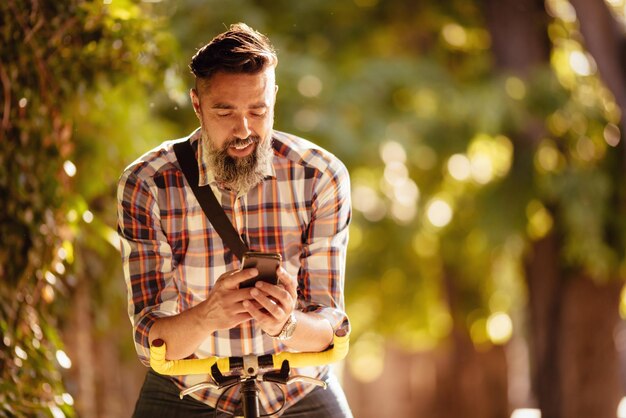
206	175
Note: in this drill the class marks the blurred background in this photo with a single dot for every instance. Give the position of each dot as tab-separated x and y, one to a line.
485	142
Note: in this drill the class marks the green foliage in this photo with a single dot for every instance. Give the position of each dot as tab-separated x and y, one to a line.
578	168
53	55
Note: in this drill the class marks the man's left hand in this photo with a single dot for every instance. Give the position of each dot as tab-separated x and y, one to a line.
274	303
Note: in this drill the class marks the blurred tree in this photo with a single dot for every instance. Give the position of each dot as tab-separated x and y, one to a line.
573	265
57	60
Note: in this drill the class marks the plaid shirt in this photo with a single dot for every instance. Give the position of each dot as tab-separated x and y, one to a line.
172	256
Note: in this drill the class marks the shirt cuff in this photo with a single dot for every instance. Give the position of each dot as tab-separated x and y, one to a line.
142	333
337	318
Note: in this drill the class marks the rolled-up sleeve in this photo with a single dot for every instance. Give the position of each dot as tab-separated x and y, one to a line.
323	263
146	259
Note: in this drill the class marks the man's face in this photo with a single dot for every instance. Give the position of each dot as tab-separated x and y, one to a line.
236	112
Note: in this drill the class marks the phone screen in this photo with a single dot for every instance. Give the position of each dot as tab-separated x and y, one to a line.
265	263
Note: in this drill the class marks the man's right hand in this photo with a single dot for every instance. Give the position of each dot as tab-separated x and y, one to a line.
224	307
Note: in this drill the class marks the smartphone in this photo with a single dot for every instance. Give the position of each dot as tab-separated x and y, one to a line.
265	263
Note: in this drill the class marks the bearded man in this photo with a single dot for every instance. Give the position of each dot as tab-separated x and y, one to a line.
282	194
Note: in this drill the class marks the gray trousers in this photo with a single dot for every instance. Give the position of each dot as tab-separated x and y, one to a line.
159	399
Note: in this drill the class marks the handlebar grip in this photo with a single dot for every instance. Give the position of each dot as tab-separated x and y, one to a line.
183	367
341	345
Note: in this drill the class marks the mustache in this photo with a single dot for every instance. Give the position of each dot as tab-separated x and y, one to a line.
239	142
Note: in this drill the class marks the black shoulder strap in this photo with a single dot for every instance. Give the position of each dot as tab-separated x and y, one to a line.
211	207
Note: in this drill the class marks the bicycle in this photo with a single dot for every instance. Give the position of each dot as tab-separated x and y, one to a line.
246	370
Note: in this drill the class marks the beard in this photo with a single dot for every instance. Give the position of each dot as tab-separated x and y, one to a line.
238	174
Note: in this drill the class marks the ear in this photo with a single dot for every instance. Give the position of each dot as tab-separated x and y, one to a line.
195	102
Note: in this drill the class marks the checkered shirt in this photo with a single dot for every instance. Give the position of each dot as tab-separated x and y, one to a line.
172	256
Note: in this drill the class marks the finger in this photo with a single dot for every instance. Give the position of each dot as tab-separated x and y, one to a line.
237	307
256	311
277	292
234	278
240	318
256	305
274	308
288	282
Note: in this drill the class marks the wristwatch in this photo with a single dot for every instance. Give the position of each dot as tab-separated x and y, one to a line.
287	332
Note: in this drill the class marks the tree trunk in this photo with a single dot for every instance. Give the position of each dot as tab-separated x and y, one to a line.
470	382
605	40
589	363
78	336
572	323
519	34
545	288
518	31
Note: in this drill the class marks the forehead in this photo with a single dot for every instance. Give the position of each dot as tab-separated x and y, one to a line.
238	87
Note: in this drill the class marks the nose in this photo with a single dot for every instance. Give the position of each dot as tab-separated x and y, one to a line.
241	129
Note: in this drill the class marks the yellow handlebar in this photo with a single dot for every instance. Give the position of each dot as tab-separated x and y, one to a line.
184	367
337	351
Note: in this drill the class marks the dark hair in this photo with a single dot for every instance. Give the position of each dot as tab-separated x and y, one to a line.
241	49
